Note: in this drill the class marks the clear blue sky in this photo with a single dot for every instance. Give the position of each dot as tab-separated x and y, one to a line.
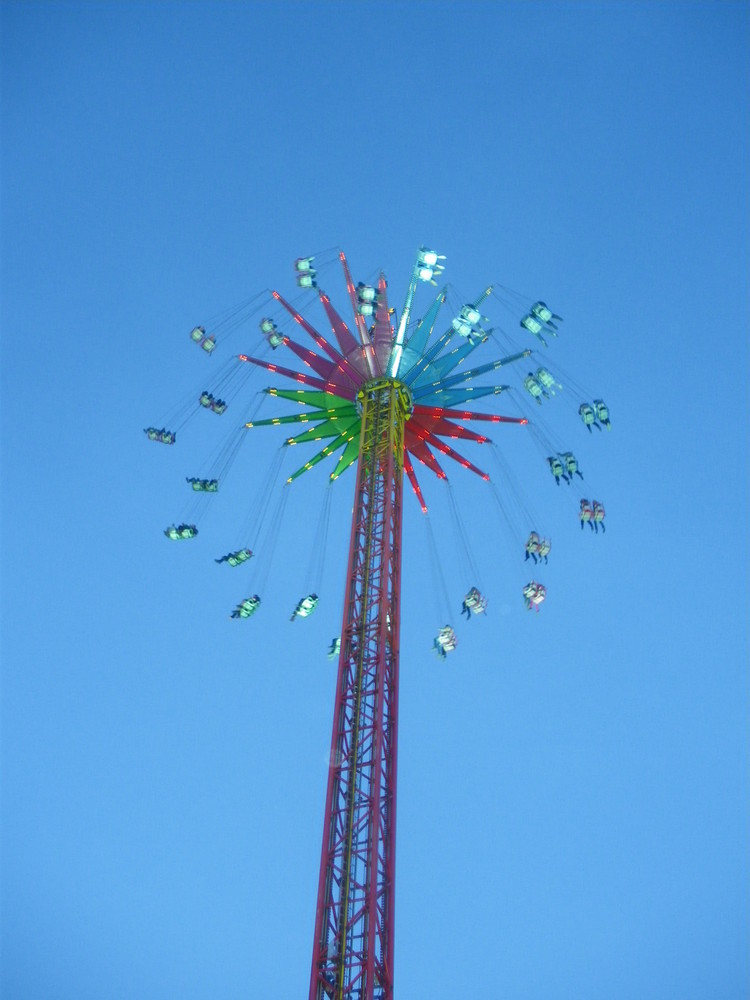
573	808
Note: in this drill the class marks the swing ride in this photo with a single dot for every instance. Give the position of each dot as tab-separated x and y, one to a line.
389	394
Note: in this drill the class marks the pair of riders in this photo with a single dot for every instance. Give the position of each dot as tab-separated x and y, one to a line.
160	434
540	318
445	642
596	415
564	465
592	514
247	607
235	558
305	606
208	400
473	602
540	384
203	485
534	594
179	531
198	336
537	548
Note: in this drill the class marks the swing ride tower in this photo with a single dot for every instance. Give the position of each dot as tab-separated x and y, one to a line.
353	943
387	395
382	398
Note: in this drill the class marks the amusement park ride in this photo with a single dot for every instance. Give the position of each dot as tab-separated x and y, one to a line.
384	391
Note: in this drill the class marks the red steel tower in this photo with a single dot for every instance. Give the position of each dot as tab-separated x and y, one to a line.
353	945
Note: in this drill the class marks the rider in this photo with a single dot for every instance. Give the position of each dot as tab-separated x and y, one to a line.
586	514
597	518
571	464
557	470
532	546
